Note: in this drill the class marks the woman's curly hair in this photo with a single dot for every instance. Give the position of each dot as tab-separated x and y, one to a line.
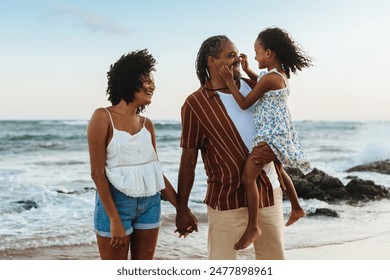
288	52
127	75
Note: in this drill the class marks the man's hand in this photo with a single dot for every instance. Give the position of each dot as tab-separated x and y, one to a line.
262	154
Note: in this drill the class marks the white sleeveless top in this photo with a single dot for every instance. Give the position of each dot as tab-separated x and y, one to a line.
132	166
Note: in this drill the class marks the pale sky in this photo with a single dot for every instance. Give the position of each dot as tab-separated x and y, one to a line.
54	55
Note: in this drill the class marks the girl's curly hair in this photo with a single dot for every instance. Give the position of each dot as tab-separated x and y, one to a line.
289	53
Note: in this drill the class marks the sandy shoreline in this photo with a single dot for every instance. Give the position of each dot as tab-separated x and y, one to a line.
375	248
169	247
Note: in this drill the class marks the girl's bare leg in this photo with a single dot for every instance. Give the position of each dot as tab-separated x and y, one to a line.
143	243
297	211
253	231
107	252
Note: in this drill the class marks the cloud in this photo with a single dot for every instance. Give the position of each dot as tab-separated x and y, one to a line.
89	20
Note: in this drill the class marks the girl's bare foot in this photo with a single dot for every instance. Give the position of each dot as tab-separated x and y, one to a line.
247	238
295	216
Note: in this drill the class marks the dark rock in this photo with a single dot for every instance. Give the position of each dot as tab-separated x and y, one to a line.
382	166
305	189
294	173
320	185
27	204
324	212
317	184
84	190
334	187
366	190
62	192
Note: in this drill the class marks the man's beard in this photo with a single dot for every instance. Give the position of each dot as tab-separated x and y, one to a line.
236	75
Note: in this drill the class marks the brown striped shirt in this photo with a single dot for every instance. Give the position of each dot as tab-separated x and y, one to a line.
207	126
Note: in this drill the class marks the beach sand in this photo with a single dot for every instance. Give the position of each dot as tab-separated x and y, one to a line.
377	248
374	248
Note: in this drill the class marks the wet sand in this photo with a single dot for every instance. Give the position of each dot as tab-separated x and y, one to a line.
375	248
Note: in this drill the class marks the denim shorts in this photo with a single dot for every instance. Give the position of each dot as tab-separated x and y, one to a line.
135	212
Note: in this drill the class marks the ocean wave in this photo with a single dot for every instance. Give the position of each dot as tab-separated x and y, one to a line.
36	241
62	122
332	149
6	173
167	125
76	122
168	138
60	163
371	152
41	137
328	125
27	143
29	211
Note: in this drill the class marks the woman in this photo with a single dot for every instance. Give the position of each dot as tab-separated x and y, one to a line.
124	163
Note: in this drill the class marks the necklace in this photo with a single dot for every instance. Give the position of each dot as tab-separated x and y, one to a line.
215	89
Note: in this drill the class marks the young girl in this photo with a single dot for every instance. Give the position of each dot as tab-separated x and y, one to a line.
278	53
124	163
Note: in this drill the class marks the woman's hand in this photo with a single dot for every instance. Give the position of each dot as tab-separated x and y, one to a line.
118	234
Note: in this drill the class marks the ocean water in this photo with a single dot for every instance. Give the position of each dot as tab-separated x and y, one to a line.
47	195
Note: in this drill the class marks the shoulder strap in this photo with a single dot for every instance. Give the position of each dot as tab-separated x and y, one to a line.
119	160
144	122
280	74
109	114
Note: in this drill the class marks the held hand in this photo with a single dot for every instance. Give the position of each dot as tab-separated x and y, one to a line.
186	223
189	230
194	223
226	73
118	234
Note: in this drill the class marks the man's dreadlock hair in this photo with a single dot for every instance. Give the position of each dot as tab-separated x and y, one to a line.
210	47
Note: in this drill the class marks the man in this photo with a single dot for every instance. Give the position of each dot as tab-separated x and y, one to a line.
213	123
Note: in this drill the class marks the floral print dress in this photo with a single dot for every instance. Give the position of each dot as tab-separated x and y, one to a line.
274	126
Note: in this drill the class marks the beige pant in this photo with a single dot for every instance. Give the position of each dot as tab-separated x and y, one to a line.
227	227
